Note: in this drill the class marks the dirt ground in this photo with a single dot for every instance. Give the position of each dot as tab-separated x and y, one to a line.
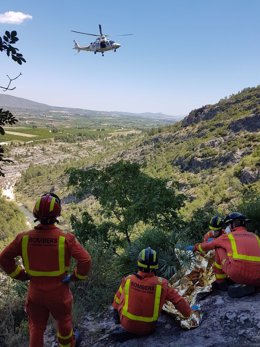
226	322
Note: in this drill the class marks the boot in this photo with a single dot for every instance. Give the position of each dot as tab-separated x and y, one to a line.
121	335
223	286
78	338
240	290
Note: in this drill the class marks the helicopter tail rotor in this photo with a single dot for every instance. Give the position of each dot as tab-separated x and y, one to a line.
76	46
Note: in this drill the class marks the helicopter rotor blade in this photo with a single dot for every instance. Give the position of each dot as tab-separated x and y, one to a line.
100	30
80	32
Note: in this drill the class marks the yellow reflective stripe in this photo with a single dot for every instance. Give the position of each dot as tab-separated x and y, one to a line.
237	255
15	272
52	204
258	239
25	241
37	205
65	337
215	229
219	276
141	265
156	308
81	277
200	249
61	252
67	345
120	289
218	266
117	300
154	256
146	266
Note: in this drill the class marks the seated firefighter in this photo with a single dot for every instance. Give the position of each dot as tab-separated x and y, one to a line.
46	253
141	296
216	225
237	257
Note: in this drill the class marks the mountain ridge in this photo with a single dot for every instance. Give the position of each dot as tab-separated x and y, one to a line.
17	104
213	152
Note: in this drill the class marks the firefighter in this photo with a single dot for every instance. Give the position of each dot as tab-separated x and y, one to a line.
46	252
216	225
139	300
237	257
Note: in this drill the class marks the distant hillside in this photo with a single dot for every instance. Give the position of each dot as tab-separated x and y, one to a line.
20	105
214	153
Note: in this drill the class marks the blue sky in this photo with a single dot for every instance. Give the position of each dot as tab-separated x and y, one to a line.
183	54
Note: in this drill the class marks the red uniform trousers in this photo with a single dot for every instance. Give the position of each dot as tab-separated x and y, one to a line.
40	304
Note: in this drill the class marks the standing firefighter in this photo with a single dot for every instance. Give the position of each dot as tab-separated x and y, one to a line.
237	256
140	298
46	252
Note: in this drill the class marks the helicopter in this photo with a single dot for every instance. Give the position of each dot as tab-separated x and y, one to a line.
100	45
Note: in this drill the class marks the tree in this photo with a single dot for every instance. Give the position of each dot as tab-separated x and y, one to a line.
6	117
128	196
6	45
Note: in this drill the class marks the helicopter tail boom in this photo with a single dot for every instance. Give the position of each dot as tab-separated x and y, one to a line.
80	48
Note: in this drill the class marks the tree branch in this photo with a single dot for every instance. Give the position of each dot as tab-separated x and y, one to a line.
10	81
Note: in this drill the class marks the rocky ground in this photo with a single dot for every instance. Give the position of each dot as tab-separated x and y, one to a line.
226	322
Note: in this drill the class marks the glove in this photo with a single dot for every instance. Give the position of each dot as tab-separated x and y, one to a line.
210	239
68	279
195	308
23	276
189	248
116	316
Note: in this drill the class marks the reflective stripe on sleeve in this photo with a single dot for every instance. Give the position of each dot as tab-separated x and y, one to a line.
218	266
116	299
220	276
16	271
200	249
80	277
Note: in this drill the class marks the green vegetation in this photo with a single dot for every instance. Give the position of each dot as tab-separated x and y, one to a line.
12	221
127	196
7	42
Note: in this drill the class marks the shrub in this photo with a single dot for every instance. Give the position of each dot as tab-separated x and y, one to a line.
98	290
250	206
162	242
13	322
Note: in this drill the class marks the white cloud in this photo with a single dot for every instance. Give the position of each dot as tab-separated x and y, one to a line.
12	17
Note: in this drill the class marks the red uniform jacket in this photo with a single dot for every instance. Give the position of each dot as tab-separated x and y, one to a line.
139	301
241	256
46	252
211	234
